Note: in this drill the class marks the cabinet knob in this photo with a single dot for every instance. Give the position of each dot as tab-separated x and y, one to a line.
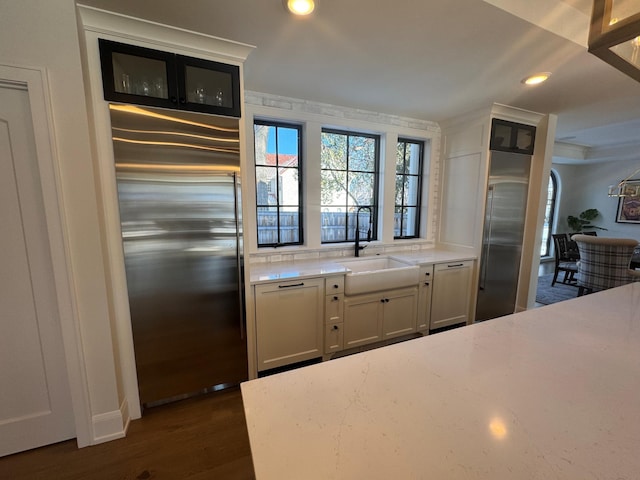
426	284
382	300
174	100
427	274
335	298
183	100
335	286
335	327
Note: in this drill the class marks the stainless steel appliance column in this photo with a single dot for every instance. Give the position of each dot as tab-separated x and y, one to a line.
503	234
178	190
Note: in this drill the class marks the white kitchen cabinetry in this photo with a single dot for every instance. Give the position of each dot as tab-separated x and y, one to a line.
334	314
374	317
424	298
289	323
451	292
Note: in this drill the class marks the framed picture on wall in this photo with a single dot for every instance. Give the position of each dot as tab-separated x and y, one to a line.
629	207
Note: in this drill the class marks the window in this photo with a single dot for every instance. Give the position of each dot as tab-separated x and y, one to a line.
549	214
278	183
349	182
408	188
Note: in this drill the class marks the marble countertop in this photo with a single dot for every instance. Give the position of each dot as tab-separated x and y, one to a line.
549	393
278	271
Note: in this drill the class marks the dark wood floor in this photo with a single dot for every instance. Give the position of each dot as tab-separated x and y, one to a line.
197	439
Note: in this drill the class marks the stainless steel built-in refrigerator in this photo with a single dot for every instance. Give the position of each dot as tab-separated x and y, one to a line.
503	234
179	196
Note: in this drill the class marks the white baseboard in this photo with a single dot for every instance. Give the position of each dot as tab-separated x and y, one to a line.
109	426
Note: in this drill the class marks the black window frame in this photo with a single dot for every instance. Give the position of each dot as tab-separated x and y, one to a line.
278	205
373	218
403	174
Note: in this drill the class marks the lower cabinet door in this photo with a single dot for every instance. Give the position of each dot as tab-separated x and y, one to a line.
362	320
400	312
451	294
289	322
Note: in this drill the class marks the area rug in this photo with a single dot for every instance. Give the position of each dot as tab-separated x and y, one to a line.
547	294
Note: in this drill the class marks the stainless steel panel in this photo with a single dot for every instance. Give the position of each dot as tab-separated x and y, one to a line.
503	234
178	196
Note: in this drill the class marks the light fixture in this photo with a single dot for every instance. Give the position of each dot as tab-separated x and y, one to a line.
536	78
626	189
614	35
300	7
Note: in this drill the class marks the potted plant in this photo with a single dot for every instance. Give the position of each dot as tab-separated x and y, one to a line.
583	221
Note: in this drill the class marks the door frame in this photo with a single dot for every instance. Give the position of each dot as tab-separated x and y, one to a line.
36	82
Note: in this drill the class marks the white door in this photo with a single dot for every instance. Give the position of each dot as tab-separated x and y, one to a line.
35	401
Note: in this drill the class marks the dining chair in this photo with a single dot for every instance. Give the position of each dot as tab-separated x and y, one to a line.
564	260
604	263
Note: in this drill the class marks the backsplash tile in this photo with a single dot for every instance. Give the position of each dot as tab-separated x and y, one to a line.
333	252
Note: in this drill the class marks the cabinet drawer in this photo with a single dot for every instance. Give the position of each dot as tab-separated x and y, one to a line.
333	308
333	337
334	285
424	298
452	265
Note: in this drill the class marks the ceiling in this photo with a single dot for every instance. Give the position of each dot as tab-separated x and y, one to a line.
431	60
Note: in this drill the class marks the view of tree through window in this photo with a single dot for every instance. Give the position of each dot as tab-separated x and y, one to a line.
278	183
408	188
349	171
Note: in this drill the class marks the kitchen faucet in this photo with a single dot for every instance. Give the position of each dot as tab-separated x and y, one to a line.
358	247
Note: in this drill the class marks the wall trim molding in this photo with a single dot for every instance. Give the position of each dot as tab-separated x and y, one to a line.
344	113
165	37
108	426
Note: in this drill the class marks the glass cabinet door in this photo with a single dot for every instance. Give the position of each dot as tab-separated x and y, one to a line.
512	137
208	86
140	75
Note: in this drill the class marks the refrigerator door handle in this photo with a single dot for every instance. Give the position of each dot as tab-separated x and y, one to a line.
239	262
487	235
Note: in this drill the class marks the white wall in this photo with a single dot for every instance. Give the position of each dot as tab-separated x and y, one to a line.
43	33
585	186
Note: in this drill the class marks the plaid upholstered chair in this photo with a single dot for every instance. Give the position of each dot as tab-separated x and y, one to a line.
604	263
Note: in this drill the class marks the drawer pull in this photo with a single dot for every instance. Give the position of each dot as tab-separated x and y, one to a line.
426	284
294	285
455	265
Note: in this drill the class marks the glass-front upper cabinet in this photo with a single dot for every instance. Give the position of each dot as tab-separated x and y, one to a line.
512	137
138	75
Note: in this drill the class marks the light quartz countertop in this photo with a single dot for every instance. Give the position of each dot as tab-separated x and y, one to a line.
550	393
279	271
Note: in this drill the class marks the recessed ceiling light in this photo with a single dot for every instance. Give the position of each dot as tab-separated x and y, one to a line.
536	78
300	7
